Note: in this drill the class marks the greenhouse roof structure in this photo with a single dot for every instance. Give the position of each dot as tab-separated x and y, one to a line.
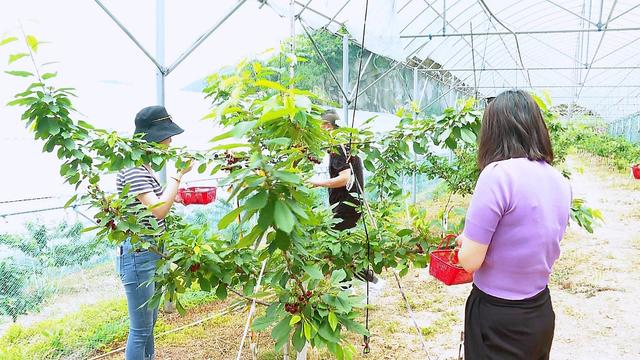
581	51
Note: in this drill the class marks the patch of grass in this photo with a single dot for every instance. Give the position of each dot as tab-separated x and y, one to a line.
196	298
78	333
391	327
269	354
183	336
430	297
442	325
197	332
96	327
572	312
590	290
566	268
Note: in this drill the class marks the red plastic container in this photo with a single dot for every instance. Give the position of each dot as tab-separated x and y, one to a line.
636	171
197	195
444	264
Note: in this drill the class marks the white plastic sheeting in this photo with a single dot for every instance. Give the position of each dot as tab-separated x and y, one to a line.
581	51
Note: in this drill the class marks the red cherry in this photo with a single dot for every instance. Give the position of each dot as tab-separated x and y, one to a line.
195	267
309	294
301	298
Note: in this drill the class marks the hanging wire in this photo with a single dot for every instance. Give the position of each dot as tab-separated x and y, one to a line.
29	199
473	61
324	60
362	44
37	211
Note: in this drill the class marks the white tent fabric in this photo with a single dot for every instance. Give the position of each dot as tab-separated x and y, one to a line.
581	51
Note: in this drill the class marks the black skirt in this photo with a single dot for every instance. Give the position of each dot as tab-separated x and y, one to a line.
502	329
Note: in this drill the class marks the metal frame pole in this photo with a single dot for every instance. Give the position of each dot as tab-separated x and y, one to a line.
414	193
204	36
292	42
160	51
529	32
345	78
128	33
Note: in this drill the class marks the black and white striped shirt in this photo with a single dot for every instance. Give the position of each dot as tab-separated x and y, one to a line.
140	181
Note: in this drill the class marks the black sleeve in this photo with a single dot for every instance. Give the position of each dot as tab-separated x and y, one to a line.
339	161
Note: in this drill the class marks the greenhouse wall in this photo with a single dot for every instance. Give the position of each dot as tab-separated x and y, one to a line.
627	127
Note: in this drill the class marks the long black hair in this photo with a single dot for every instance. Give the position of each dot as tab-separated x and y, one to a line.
513	127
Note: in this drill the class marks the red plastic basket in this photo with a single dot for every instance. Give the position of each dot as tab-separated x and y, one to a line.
636	171
197	195
444	264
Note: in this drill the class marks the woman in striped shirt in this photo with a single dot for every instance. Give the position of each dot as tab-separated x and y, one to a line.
136	266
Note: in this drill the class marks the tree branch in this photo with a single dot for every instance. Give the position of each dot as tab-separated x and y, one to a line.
248	298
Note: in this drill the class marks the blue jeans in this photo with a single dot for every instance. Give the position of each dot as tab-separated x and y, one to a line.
135	269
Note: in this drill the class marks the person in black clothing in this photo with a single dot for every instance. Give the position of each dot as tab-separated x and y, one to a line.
345	186
346	180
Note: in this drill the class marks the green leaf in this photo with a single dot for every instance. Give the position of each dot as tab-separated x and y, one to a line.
205	285
238	131
337	276
468	136
250	238
283	216
314	272
229	218
281	331
266	215
282	241
307	330
68	203
202	168
417	148
19	73
22	101
327	334
404	232
15	57
445	135
229	146
270	85
273	114
47	76
333	320
287	176
547	96
298	339
294	320
282	141
262	323
221	291
91	228
369	165
303	102
257	201
32	42
8	40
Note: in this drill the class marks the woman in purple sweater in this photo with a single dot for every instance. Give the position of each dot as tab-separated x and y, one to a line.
516	219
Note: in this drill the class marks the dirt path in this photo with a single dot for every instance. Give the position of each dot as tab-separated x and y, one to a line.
595	288
596	283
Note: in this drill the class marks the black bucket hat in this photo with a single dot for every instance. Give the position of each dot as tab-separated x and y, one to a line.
156	124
